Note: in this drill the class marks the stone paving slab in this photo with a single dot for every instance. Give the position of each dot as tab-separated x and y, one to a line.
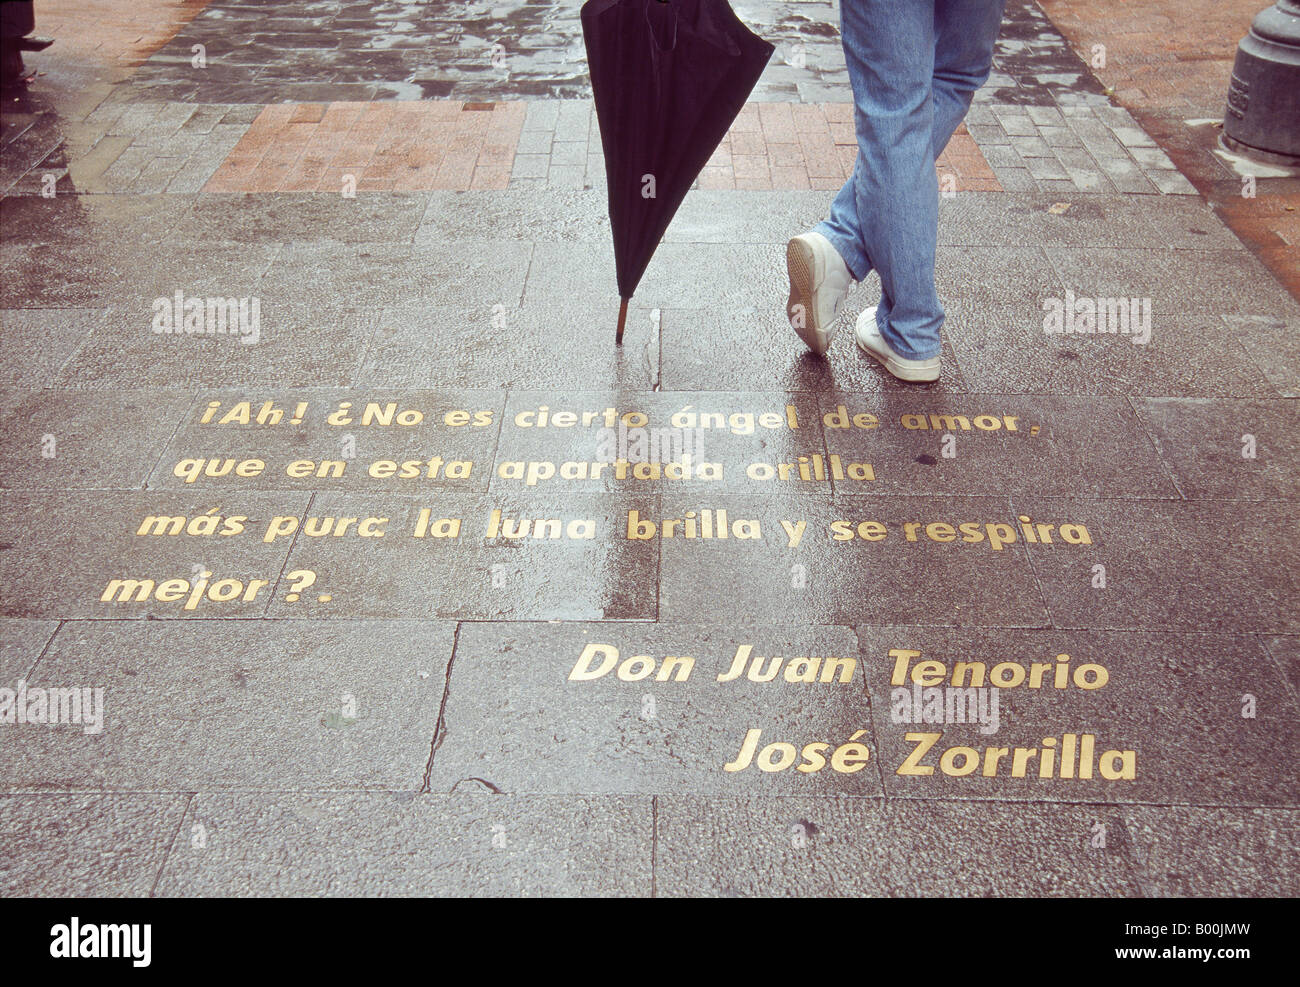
21	644
518	718
1246	853
753	347
86	845
397	843
270	706
35	343
65	548
57	439
299	343
395	274
1227	566
1004	349
1139	717
862	575
1227	450
673	442
749	847
498	342
982	444
468	572
298	217
376	445
93	220
1273	345
1180	283
1286	652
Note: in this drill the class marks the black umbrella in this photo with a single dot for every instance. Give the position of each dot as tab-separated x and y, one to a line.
669	77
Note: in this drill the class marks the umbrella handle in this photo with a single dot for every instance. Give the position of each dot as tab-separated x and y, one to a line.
622	320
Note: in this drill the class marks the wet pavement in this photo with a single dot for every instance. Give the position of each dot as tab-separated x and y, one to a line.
399	577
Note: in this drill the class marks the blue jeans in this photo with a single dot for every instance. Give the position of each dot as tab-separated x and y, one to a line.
914	66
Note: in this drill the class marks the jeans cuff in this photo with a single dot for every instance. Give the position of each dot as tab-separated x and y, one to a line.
852	255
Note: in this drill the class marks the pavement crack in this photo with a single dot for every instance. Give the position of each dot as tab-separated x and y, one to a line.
482	781
440	728
654	846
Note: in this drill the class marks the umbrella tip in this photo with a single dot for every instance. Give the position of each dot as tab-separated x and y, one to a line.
622	321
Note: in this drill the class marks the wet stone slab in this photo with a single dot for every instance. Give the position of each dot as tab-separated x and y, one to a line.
1122	717
36	342
386	274
281	217
1274	345
753	347
290	345
1006	349
314	439
666	708
81	554
399	843
1192	852
265	705
984	444
1227	450
739	275
57	439
1172	565
21	644
451	555
854	560
86	219
639	442
548	342
86	845
1285	650
750	847
1178	283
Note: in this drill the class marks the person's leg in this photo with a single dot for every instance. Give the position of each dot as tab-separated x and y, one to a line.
965	33
843	230
887	217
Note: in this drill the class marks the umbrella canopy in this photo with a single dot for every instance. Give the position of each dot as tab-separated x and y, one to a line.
669	77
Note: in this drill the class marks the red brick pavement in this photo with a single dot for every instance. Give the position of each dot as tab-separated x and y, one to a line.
1170	60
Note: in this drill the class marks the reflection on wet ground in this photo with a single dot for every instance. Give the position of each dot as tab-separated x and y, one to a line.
298	51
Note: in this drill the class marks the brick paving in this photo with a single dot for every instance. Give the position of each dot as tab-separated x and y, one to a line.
1158	52
430	144
120	33
1168	63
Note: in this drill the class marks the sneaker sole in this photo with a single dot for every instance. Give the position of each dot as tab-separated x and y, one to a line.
913	375
800	266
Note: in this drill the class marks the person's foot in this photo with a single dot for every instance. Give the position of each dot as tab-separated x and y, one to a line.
819	283
867	333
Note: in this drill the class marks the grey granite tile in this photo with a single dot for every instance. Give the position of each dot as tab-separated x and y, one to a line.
56	439
1226	450
247	705
1079	716
70	846
643	722
852	847
395	844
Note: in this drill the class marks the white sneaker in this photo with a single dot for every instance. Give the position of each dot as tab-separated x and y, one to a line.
867	333
819	283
